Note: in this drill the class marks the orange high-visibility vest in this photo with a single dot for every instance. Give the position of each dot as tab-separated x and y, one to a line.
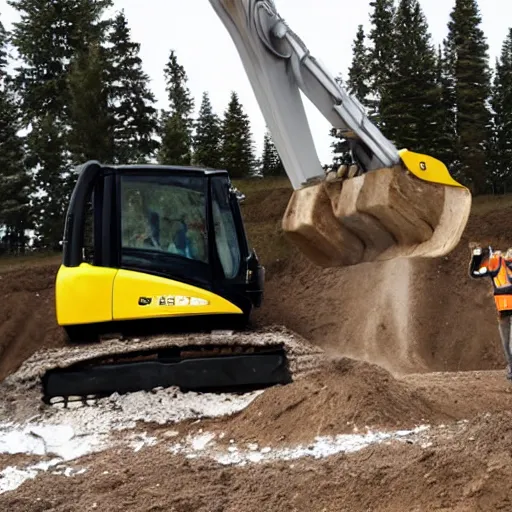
500	271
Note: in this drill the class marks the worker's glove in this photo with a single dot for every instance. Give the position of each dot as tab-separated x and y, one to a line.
477	251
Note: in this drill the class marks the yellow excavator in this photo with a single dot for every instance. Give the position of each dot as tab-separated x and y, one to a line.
148	245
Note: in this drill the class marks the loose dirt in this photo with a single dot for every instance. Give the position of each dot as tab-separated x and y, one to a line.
462	468
27	315
340	396
404	344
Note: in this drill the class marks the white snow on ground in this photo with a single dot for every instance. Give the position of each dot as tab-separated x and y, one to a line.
72	433
58	440
120	412
203	445
65	435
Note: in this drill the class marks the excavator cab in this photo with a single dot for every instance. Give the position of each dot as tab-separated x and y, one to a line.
154	242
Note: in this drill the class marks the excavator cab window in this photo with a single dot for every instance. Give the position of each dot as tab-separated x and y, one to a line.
163	225
226	237
164	214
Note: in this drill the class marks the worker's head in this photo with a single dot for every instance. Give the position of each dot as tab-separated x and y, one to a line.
508	253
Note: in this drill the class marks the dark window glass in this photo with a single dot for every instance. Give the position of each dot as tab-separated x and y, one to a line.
163	224
225	230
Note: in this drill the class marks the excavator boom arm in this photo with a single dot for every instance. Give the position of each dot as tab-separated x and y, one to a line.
279	65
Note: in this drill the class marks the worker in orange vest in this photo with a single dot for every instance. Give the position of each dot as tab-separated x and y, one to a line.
497	266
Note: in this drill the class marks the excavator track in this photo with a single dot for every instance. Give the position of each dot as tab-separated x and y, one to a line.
218	361
209	368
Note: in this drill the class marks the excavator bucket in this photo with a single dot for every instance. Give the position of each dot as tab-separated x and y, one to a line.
380	215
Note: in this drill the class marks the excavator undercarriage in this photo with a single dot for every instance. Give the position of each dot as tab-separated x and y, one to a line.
205	368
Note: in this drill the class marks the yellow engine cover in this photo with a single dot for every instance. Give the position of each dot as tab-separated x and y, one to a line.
138	295
88	294
84	294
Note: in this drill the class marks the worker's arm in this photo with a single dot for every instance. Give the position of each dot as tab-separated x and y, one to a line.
483	265
476	269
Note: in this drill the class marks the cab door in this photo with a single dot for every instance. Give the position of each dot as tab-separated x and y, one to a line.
84	282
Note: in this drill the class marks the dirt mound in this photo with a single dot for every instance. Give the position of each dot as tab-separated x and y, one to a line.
266	205
338	397
27	315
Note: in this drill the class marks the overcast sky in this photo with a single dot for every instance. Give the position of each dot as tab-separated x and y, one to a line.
204	47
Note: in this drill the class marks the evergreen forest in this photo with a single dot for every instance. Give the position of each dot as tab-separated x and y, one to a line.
76	90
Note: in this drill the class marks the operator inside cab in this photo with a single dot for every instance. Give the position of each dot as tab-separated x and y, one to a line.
180	242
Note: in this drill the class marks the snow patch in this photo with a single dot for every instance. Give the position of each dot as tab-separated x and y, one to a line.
68	434
11	477
170	405
39	439
141	440
324	446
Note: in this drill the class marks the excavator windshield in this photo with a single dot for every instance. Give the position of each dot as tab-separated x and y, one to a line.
165	214
164	217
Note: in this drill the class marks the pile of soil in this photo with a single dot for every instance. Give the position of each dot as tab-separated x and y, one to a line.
462	470
27	315
338	397
344	396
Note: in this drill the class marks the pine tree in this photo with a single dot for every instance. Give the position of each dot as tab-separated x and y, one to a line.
47	38
358	73
358	84
445	136
177	123
91	136
14	179
381	56
237	146
132	102
339	146
412	96
271	164
468	81
501	165
207	138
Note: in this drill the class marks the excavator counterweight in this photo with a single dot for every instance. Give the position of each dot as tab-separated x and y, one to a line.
390	204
